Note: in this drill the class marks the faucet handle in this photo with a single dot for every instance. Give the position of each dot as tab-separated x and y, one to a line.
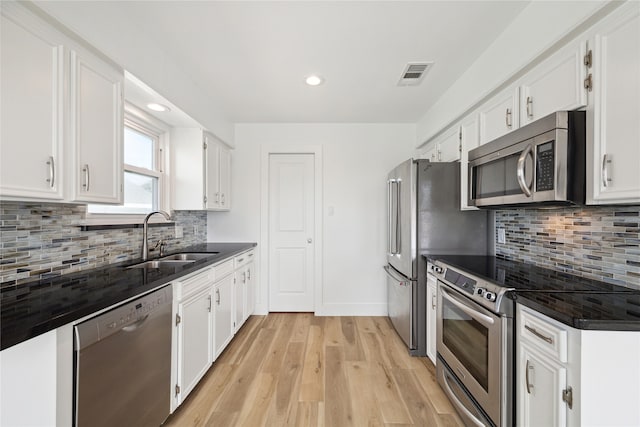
162	245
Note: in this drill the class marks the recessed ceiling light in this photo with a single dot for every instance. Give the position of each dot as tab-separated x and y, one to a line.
314	80
158	107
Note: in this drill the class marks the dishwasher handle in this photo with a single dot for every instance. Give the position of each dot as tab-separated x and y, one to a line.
135	325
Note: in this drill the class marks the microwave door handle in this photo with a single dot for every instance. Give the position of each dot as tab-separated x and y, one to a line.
483	319
520	172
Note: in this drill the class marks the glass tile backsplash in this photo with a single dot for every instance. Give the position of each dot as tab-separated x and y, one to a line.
601	243
42	240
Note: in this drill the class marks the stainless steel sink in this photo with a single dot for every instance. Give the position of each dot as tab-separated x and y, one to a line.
162	263
188	256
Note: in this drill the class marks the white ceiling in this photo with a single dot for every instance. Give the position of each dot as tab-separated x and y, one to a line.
252	57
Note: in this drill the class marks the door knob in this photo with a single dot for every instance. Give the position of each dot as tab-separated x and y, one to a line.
309	240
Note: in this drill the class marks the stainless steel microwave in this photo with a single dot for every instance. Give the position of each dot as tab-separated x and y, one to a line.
542	163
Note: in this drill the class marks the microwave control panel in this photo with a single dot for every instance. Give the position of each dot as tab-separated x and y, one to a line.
545	165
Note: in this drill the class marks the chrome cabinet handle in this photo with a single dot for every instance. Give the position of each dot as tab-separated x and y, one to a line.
507	118
244	277
217	197
479	317
52	171
248	274
535	332
87	178
529	107
521	172
223	198
526	376
605	171
218	296
209	298
433	301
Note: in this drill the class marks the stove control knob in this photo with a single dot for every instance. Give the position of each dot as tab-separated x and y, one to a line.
437	269
490	296
481	291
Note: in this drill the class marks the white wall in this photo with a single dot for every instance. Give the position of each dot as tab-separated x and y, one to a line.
356	160
536	29
138	53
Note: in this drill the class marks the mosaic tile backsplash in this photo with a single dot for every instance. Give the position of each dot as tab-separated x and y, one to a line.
39	241
601	243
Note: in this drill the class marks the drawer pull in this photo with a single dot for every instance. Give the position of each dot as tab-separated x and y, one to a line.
538	334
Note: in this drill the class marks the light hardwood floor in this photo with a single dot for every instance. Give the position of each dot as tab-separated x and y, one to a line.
295	369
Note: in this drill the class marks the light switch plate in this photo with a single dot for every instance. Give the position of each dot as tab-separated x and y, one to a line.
502	236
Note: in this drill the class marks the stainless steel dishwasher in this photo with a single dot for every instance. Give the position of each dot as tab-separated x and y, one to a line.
123	364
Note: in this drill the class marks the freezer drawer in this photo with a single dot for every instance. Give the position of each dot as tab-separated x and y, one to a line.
400	303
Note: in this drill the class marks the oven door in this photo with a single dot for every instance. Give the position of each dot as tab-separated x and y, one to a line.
470	342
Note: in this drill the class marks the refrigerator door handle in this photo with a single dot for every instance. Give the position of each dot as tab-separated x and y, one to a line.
389	210
398	218
402	281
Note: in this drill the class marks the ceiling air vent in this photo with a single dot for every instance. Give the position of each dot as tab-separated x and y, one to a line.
414	73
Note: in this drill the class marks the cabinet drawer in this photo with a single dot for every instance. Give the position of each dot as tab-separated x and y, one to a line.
546	336
243	259
222	270
193	283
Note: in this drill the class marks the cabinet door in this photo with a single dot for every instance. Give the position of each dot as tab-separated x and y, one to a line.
556	84
194	340
212	173
432	308
449	145
499	116
223	314
31	106
96	129
251	290
469	141
240	295
613	173
225	178
540	382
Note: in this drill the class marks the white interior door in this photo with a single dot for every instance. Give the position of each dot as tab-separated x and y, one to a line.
291	228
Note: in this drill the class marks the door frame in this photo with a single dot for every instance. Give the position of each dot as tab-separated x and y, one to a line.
265	151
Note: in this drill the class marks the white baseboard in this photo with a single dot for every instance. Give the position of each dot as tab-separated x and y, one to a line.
339	310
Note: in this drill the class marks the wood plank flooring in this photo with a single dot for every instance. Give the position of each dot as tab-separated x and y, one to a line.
295	369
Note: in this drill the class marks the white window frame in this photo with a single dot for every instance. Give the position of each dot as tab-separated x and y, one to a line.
142	122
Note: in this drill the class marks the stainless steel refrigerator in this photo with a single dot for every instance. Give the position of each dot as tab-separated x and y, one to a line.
424	217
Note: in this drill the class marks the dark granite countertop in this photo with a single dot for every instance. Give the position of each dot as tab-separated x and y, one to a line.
29	310
578	302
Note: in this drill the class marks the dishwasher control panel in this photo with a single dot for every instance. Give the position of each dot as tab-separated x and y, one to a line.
125	317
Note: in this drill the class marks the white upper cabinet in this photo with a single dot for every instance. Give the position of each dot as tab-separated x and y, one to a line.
31	144
556	84
499	115
218	170
201	171
62	118
613	116
96	129
449	145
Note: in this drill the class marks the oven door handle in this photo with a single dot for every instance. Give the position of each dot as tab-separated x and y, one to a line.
459	404
481	318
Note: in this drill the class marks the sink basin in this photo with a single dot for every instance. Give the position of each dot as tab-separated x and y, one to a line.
188	256
162	263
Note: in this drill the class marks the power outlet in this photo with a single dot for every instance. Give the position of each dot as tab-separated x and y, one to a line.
179	232
502	238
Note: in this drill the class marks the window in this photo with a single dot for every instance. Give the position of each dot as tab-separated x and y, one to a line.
143	169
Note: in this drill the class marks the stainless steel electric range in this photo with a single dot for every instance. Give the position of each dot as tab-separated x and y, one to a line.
475	328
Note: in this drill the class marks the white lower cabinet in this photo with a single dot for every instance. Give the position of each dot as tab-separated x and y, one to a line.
540	394
223	314
244	288
574	377
432	312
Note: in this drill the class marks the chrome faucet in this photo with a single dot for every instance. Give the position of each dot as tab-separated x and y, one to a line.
145	230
